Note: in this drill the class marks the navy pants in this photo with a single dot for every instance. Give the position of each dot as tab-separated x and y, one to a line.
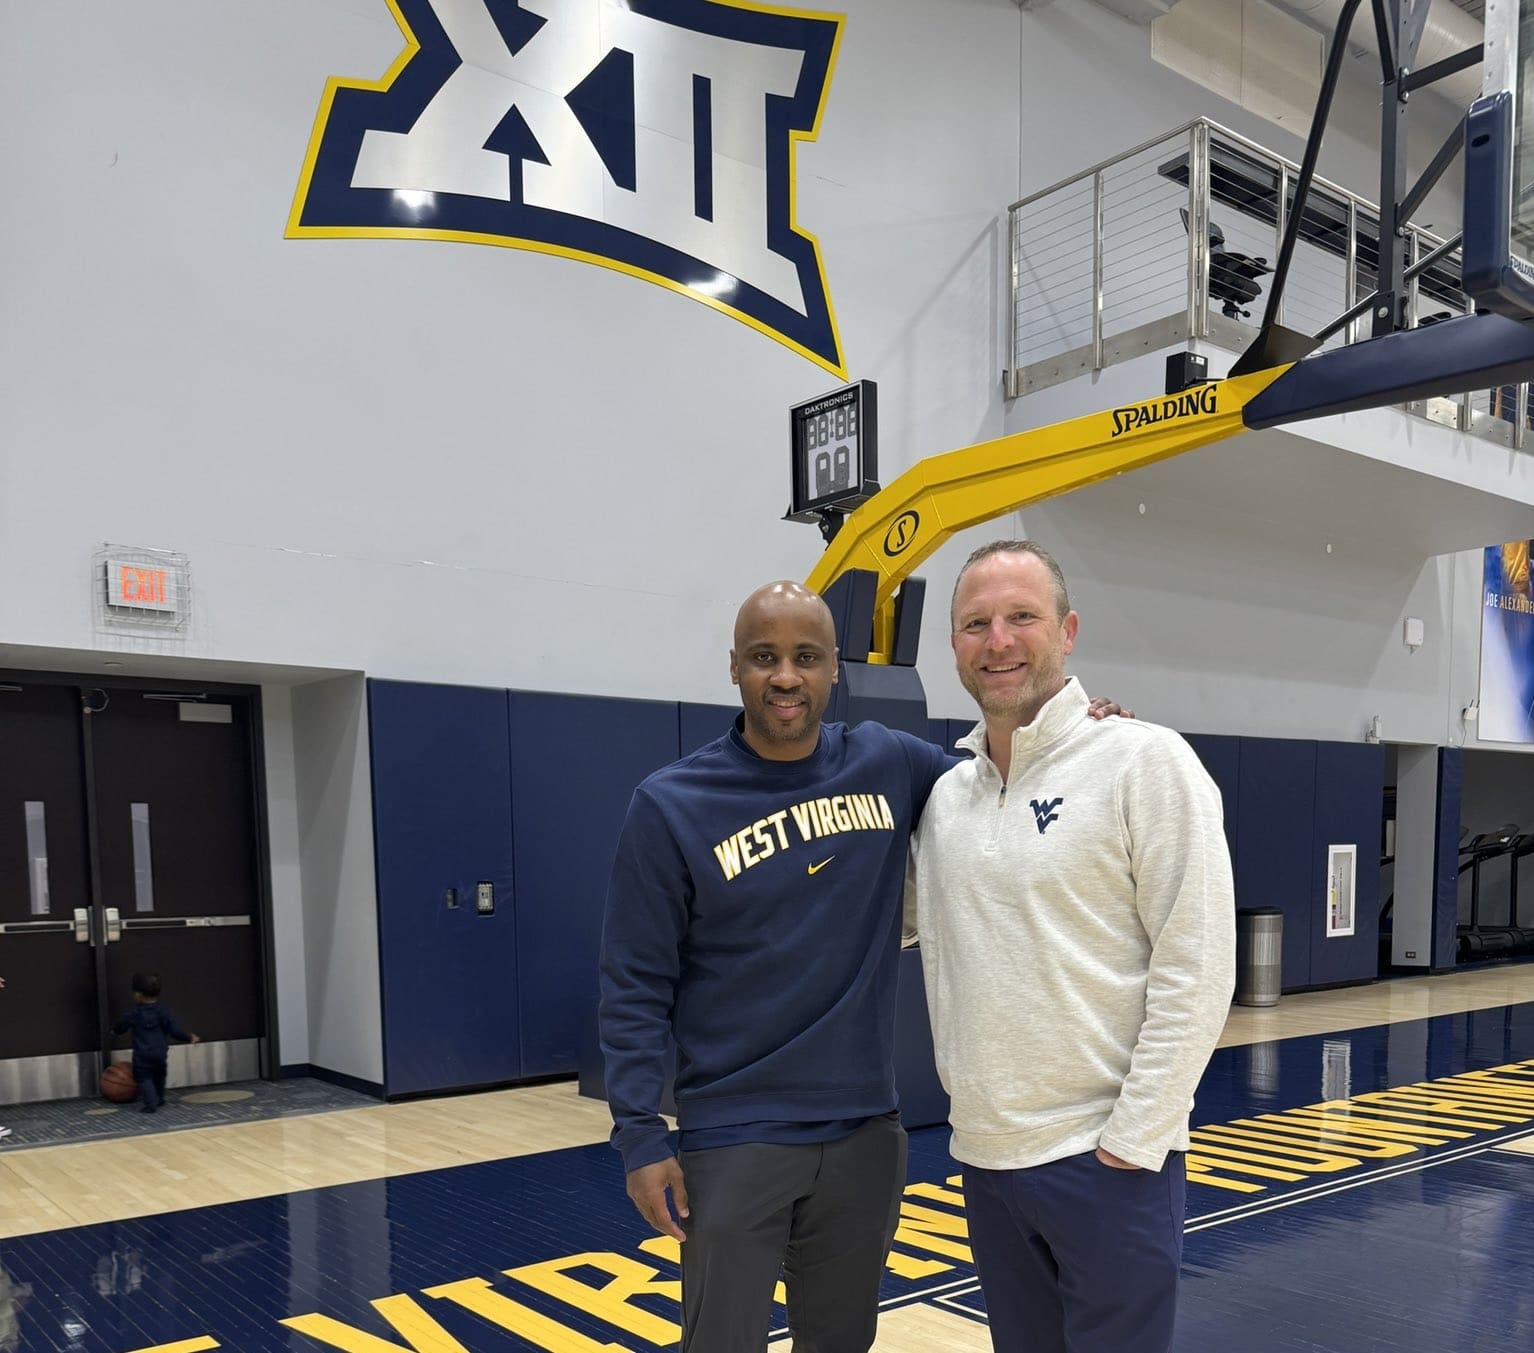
151	1082
1077	1257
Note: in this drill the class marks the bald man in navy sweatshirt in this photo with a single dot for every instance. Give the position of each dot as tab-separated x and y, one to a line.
754	917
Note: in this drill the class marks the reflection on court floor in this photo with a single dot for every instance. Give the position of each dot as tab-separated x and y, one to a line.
1372	1189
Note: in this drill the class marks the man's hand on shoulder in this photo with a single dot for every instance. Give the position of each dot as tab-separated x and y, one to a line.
648	1186
1104	708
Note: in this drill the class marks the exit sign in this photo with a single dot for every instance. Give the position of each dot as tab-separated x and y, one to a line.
144	586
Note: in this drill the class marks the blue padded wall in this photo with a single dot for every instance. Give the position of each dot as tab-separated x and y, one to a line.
923	1101
575	762
947	732
1350	794
959	728
528	791
1275	825
1222	759
442	819
1451	783
699	725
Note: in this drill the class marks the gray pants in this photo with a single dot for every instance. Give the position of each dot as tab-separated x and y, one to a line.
824	1213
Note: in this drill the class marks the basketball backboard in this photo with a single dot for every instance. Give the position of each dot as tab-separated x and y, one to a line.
1499	166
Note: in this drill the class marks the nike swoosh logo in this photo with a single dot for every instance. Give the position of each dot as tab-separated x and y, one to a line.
816	868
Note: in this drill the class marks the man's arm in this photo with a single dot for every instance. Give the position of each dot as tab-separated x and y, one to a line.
908	931
1186	901
646	919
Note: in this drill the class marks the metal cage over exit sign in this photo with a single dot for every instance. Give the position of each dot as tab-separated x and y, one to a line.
142	587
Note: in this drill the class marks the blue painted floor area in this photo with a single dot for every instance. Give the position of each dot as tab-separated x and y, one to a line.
1426	1262
1417	1236
1264	1077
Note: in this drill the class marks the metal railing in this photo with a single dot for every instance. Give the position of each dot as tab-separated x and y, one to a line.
1174	241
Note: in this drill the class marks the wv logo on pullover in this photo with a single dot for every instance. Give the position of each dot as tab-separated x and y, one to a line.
1044	813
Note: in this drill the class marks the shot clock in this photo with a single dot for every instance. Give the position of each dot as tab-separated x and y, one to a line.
834	451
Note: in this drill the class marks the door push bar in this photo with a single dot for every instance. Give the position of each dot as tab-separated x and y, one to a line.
84	931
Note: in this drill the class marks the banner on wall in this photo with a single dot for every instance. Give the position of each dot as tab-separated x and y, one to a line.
657	139
1507	645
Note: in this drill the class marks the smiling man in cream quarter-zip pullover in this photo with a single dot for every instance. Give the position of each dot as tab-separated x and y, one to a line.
1077	921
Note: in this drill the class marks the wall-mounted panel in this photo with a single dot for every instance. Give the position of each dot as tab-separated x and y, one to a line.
1349	796
443	836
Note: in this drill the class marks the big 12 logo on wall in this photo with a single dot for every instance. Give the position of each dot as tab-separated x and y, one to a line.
656	137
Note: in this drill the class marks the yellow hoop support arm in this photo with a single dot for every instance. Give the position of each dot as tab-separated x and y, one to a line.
902	525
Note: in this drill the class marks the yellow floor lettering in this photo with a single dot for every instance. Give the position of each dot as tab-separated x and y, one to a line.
197	1345
1490	1102
404	1315
937	1193
909	1266
1367	1126
1299	1147
1434	1098
1493	1094
1462	1115
1249	1162
1201	1171
612	1300
922	1228
1287	1130
664	1247
1516	1087
1365	1105
476	1294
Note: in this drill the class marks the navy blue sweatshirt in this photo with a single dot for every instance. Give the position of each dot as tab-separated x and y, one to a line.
153	1026
754	914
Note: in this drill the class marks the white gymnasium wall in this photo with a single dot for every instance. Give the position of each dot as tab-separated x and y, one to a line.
1227	625
284	839
1091	91
333	804
1238	620
432	460
1270	598
460	463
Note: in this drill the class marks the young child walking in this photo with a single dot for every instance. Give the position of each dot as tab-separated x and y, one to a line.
153	1029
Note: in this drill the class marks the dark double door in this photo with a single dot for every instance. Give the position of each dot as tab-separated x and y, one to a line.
128	843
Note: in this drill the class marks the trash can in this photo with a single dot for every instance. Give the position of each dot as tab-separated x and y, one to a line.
1259	955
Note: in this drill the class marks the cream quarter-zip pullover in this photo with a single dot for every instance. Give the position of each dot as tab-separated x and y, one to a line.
1077	929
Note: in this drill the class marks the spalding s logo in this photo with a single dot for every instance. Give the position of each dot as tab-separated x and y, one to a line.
897	540
656	137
